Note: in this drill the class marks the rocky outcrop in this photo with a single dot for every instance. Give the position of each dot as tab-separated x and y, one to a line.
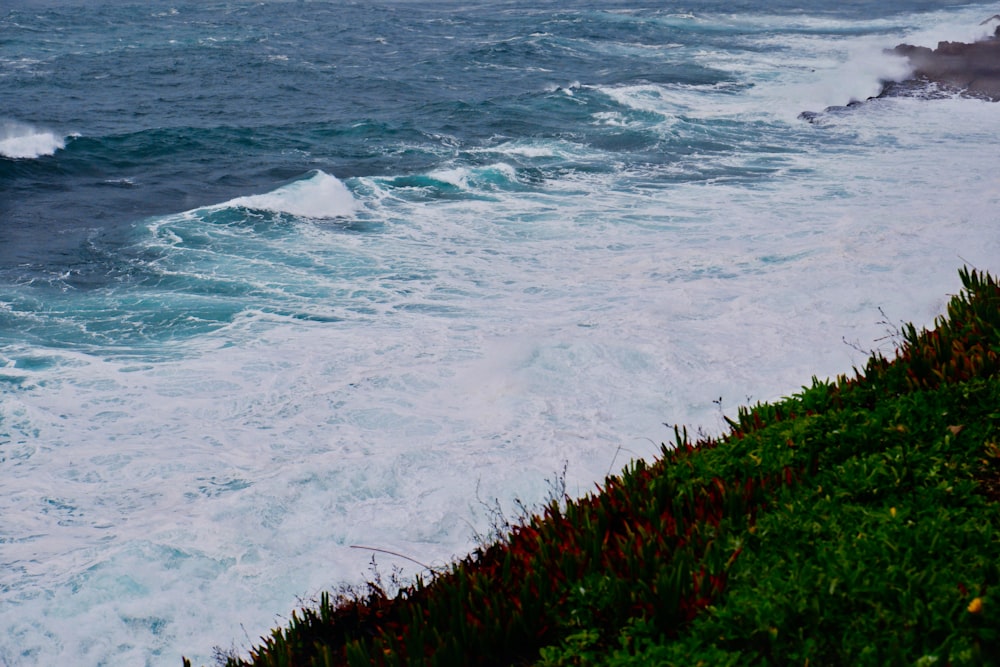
970	69
973	68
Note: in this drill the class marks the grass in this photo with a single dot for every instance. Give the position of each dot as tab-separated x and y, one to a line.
853	523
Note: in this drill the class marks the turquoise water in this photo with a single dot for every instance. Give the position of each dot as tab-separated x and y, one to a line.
282	279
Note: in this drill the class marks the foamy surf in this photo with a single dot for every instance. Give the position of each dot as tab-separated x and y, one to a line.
24	141
318	196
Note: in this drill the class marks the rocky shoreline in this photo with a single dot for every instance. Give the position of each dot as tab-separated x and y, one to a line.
972	69
969	69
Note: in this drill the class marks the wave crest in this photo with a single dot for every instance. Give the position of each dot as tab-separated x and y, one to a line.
319	196
21	140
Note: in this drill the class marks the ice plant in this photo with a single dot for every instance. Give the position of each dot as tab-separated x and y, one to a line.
767	546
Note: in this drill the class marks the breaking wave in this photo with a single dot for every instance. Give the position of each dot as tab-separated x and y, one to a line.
24	141
318	196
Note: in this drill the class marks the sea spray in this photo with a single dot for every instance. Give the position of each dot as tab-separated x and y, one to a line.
317	196
24	141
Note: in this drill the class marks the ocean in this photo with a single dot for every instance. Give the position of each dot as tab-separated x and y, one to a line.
286	283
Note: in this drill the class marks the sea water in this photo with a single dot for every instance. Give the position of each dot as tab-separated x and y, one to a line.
282	280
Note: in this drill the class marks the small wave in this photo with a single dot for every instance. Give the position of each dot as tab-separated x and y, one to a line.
454	183
119	182
487	177
21	140
527	150
568	89
647	102
319	196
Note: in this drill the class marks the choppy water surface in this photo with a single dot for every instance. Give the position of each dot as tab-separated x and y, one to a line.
282	278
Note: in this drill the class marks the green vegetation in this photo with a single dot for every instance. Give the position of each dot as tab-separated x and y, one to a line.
854	523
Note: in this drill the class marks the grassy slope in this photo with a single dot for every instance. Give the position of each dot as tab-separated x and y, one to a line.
853	523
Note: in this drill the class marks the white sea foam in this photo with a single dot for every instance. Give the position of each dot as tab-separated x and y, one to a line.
319	196
528	149
859	74
466	178
22	140
458	176
644	97
241	476
811	71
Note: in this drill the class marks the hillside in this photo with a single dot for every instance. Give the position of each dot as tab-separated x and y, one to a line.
853	523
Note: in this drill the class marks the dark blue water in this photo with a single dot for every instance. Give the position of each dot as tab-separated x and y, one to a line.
185	104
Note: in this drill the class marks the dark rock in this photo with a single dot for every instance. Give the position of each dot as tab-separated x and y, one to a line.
970	68
816	117
953	68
